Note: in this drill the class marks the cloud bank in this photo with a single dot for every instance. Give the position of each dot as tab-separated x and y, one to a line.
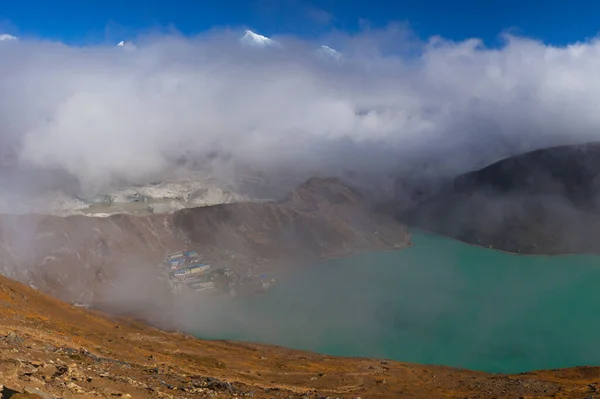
108	114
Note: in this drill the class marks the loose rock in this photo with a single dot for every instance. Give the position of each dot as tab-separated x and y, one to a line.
39	393
13	339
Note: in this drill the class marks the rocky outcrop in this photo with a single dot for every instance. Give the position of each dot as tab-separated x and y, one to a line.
541	202
321	218
77	255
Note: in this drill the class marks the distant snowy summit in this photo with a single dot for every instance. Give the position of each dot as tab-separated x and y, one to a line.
126	44
327	53
5	37
255	40
252	39
249	39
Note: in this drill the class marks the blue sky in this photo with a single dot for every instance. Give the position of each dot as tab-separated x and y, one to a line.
85	21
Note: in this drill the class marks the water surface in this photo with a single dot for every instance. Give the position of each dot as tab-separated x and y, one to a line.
439	302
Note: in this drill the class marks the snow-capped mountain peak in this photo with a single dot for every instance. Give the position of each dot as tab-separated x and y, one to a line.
255	40
5	37
327	52
126	44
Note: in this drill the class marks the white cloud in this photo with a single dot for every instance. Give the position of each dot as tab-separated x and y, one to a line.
5	37
106	116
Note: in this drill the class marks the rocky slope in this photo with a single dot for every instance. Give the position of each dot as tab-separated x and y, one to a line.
541	202
192	190
78	257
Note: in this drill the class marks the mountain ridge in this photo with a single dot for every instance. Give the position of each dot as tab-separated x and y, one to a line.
540	202
65	256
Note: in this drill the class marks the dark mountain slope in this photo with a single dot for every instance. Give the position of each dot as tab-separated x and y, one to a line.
542	202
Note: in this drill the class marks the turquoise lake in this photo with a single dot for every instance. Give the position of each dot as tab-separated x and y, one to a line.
438	302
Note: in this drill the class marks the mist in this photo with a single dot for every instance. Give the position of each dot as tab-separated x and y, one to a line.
87	119
98	116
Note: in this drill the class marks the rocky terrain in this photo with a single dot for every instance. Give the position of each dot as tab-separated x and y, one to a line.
50	349
192	190
80	258
541	202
